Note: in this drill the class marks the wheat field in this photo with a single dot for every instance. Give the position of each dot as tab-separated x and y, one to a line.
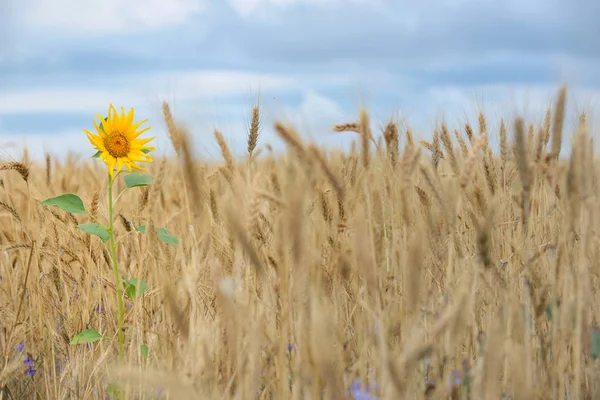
401	269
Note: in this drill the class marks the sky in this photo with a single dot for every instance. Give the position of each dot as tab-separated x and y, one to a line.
313	63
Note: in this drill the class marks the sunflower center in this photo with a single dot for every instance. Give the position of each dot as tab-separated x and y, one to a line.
117	145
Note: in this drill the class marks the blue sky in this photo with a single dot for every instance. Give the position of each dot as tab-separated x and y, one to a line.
314	62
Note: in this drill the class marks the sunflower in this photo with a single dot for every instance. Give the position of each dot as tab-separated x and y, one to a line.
117	141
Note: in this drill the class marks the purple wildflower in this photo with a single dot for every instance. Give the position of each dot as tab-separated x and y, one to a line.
30	362
20	347
455	379
358	392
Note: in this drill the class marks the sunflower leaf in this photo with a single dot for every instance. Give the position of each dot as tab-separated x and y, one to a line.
144	350
87	336
165	237
66	202
146	151
97	155
596	343
101	127
95	229
132	285
162	235
114	391
135	180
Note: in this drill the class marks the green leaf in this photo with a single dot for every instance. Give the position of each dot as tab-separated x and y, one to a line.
95	229
162	235
114	391
596	343
549	312
97	154
87	336
165	237
146	151
100	126
144	351
134	180
131	287
67	202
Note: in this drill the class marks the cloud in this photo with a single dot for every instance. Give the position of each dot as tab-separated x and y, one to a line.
109	16
314	62
412	32
38	143
186	86
249	7
316	112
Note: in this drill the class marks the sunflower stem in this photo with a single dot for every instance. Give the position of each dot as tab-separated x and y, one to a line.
113	250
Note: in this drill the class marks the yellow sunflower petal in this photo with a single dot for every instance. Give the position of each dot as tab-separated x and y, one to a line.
96	141
111	161
130	117
121	121
139	167
141	142
138	156
137	124
101	132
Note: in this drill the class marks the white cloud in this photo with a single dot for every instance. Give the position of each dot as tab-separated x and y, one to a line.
313	117
184	86
318	105
107	16
56	100
249	7
38	143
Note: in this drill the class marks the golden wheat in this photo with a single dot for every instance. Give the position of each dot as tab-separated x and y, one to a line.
463	275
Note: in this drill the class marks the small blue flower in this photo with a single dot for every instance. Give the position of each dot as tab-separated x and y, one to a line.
455	380
20	347
357	392
356	385
30	362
